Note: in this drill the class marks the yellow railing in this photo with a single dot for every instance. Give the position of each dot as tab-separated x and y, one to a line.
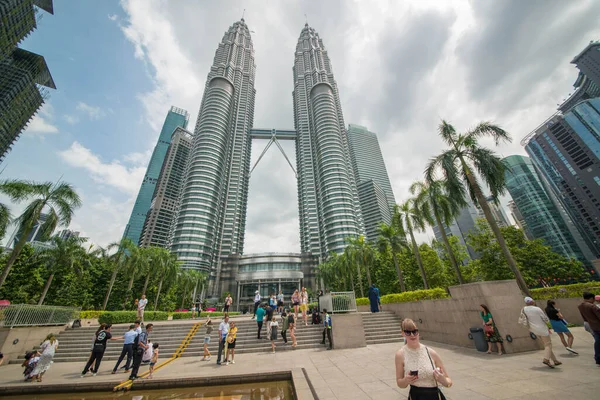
180	350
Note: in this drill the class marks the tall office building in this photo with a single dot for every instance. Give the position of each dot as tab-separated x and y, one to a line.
372	179
542	217
176	117
519	219
21	71
497	212
588	61
566	150
167	195
212	215
327	192
461	227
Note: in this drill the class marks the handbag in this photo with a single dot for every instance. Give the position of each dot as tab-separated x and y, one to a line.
488	329
523	320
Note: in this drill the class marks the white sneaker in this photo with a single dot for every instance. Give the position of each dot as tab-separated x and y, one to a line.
233	362
571	350
94	374
208	359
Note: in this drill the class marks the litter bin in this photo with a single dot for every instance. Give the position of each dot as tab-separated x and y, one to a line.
478	337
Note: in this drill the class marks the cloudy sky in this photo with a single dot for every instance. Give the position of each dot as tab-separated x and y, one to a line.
401	66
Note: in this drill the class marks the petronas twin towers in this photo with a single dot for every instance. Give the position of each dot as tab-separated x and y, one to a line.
212	215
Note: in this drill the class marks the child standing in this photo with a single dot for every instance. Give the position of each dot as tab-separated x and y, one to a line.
209	329
273	325
154	359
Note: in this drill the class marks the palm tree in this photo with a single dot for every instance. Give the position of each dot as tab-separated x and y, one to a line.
119	260
411	220
65	252
136	263
347	264
462	161
168	268
394	237
187	279
438	208
363	254
4	219
59	199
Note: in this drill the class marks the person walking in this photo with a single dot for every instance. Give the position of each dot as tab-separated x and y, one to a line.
209	329
127	350
141	306
374	298
492	335
280	302
327	329
139	347
420	367
304	305
284	325
296	302
260	315
98	350
154	359
223	331
536	321
256	302
273	325
558	323
292	329
47	349
230	340
138	326
591	314
228	303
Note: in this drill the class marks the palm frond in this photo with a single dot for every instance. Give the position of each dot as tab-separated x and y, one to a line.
447	132
491	169
30	216
49	225
17	190
487	129
5	218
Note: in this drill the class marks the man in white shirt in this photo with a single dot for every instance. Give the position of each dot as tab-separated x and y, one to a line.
223	331
141	307
256	302
537	323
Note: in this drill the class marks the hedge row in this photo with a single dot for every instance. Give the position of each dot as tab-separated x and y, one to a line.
188	315
123	317
565	291
415	295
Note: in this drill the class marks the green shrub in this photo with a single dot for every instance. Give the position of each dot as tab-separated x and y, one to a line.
182	315
92	314
313	305
362	301
124	317
565	291
416	295
217	314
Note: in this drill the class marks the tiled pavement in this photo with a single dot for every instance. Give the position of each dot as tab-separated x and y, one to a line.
368	373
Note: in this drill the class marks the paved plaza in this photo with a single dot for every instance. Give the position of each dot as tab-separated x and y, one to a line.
369	373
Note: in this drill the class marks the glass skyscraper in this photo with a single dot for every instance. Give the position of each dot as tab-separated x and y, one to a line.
537	208
566	150
327	193
372	179
176	117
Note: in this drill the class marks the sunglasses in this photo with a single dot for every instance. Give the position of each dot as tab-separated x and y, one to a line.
413	333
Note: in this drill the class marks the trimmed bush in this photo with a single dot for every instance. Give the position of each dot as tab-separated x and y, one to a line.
92	314
565	291
181	315
415	295
124	317
362	301
217	314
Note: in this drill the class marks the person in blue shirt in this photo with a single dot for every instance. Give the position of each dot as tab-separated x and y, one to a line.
374	298
139	347
327	329
260	315
128	338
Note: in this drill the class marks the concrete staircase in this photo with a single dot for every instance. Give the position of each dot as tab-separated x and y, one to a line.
75	344
382	327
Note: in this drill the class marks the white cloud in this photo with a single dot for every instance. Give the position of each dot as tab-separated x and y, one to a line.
138	159
93	112
40	126
71	119
125	179
113	17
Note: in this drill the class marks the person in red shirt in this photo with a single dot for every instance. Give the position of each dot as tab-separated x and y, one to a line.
591	315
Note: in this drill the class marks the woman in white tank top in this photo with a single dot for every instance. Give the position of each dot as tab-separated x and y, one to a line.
420	367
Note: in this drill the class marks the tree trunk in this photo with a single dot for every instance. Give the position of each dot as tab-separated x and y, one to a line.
128	291
158	294
194	294
399	272
501	242
362	293
183	298
367	270
110	286
146	284
418	257
15	254
46	287
453	261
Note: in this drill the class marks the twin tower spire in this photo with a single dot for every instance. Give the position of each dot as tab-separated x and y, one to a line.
212	215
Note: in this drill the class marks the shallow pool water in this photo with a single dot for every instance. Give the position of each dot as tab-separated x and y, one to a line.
277	390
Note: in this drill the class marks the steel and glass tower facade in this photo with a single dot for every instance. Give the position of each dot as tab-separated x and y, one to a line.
212	215
327	193
176	117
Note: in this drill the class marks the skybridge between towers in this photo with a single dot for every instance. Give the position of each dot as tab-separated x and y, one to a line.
273	136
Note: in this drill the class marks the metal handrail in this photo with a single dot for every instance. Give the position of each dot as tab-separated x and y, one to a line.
15	315
338	302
